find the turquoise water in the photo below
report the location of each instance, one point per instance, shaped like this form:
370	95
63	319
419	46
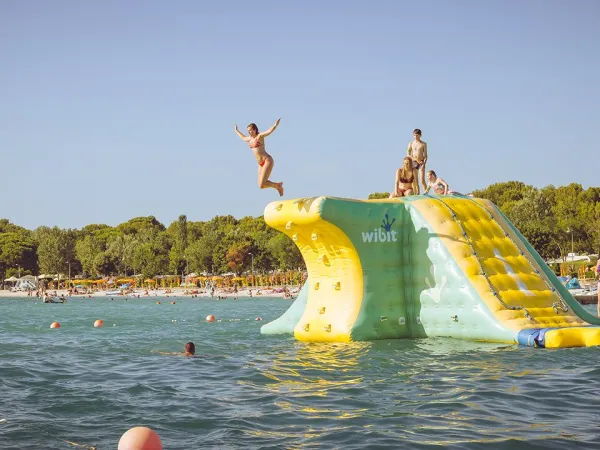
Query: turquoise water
88	386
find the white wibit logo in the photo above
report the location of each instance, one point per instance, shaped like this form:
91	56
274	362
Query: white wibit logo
435	291
382	234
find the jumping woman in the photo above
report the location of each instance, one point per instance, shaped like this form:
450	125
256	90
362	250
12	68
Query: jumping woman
256	141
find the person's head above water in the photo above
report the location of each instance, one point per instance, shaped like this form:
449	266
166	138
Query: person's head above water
190	349
252	129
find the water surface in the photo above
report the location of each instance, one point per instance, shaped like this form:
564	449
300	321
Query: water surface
78	385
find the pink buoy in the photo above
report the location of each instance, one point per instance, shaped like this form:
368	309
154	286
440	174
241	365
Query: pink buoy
140	438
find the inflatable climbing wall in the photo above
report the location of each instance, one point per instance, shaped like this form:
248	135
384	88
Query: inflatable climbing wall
422	266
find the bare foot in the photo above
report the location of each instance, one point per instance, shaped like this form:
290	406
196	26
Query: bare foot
280	188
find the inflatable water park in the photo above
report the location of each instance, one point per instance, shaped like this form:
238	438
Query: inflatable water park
422	266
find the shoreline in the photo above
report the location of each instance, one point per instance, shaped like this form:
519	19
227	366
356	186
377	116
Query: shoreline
172	292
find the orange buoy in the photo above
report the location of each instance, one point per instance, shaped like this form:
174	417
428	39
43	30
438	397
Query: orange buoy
140	438
210	318
55	325
98	323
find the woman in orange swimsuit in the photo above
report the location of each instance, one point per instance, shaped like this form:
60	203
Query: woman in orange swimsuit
405	179
256	141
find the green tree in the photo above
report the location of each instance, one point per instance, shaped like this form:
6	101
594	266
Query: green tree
200	254
17	253
379	195
285	253
87	250
56	249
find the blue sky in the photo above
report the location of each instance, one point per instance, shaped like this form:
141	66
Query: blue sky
111	110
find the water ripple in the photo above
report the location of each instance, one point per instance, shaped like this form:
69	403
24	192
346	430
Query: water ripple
87	386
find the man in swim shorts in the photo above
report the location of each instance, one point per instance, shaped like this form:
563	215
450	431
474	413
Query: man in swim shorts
417	150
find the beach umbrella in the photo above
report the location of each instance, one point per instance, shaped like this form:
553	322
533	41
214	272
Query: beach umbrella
12	279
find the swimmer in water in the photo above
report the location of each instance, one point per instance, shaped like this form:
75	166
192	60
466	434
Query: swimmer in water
256	141
189	349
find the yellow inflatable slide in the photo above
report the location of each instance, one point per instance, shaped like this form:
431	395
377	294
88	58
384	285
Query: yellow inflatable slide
422	266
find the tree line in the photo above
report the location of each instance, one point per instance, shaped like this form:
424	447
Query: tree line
146	247
555	220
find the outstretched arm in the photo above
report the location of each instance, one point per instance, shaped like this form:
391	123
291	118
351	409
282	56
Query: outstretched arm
270	130
242	136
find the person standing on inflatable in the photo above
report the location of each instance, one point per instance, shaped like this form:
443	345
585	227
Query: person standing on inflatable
256	141
417	150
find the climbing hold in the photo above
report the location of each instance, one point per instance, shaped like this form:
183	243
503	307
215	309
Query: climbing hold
325	260
314	236
383	318
337	286
328	328
278	207
288	225
316	286
294	237
321	310
454	318
306	327
401	320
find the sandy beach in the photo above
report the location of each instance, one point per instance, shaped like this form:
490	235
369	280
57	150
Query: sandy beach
171	292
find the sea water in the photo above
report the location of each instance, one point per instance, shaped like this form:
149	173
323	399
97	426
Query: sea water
80	387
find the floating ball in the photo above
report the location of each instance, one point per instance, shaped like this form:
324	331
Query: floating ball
98	323
210	318
258	319
55	325
140	438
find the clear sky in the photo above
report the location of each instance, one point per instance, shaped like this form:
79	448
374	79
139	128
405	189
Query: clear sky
111	110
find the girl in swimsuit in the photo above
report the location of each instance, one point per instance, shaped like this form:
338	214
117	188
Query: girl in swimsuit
436	183
405	180
256	141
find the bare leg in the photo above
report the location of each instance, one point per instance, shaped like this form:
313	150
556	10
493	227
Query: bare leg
599	298
416	177
422	177
264	173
